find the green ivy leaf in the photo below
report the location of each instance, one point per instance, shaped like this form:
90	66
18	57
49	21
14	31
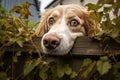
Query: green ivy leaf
23	10
44	71
86	62
99	34
68	70
114	33
107	9
11	41
30	65
20	41
104	58
93	6
73	75
64	69
117	22
16	9
97	16
86	73
105	2
60	70
103	65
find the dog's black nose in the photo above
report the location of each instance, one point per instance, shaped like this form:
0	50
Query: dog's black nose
51	41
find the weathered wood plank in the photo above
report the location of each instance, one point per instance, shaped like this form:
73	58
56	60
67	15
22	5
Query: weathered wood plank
82	46
85	46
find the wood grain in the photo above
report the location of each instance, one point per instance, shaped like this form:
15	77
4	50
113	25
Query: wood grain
82	46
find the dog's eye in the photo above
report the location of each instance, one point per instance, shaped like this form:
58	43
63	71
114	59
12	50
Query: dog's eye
51	21
74	22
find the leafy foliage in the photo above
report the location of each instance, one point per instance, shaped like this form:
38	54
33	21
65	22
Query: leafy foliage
14	29
28	66
23	10
56	70
106	14
86	68
103	65
116	71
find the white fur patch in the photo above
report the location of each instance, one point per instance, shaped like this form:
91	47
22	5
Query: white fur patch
66	36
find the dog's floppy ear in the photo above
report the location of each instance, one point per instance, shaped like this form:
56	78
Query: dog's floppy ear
89	25
42	27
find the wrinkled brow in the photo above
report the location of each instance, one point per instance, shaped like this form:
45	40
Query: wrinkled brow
57	11
74	11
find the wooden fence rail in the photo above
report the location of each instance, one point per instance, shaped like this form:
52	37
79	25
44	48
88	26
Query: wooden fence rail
82	46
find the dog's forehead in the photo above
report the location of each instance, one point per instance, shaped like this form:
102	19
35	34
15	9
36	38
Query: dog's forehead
57	11
67	9
70	6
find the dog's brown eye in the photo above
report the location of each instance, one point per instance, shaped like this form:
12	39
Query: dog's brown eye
51	20
74	22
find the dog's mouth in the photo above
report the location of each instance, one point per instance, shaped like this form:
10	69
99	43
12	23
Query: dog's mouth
60	50
56	45
52	51
56	51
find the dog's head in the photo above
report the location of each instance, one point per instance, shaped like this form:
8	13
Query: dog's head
60	27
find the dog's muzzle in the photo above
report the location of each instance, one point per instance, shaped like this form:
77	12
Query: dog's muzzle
51	41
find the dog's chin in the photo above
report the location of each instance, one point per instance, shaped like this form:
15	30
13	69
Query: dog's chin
56	51
61	50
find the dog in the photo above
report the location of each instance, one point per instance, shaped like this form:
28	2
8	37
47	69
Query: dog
60	26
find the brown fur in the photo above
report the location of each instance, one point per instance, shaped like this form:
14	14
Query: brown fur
86	21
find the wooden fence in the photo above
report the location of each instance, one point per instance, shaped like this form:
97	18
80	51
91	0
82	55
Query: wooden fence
82	46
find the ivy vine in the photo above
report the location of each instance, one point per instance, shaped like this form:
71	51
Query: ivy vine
17	30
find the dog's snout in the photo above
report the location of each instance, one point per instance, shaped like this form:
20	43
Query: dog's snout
51	41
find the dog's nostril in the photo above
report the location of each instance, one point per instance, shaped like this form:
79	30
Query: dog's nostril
45	42
55	42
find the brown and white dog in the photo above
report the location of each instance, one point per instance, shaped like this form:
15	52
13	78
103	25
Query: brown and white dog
60	27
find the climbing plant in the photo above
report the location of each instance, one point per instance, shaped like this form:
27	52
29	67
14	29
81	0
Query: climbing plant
18	30
106	13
